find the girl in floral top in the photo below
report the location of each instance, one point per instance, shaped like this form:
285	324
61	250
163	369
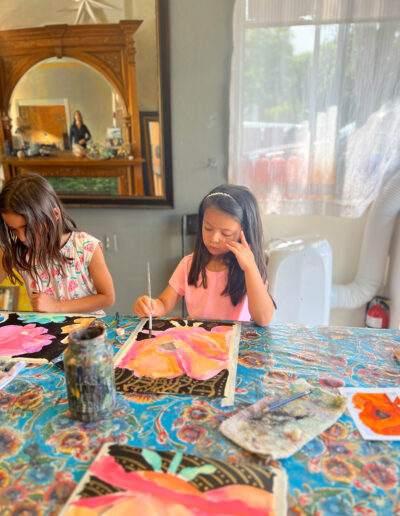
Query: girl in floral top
63	268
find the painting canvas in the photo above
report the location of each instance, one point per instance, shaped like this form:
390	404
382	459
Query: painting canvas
131	480
182	356
281	432
376	412
37	337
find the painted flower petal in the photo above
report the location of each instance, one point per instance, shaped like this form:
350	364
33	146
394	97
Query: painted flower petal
192	350
41	318
17	340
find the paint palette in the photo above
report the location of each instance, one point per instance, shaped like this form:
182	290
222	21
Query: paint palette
131	480
281	432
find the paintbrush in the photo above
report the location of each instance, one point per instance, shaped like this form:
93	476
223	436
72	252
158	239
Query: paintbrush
286	401
120	331
149	294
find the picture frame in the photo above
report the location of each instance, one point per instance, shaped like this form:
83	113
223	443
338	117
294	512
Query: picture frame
151	145
126	184
114	136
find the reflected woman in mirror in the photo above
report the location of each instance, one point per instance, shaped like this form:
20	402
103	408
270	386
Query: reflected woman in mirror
79	133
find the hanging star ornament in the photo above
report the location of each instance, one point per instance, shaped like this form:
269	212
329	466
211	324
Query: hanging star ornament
86	7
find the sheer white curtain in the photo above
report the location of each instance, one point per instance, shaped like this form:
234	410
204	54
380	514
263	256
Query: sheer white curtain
315	103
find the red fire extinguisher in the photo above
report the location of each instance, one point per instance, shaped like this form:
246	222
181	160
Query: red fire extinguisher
377	312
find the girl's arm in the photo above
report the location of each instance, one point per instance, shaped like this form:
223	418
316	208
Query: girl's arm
160	307
103	283
261	306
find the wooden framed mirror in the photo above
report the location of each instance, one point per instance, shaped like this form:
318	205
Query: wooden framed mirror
47	73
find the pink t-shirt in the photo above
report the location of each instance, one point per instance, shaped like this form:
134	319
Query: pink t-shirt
207	303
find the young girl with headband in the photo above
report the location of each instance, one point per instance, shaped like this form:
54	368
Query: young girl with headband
63	268
225	278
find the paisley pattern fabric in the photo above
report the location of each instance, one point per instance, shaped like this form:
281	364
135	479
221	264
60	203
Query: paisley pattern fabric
43	453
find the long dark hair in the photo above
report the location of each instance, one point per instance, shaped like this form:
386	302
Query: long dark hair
241	204
32	197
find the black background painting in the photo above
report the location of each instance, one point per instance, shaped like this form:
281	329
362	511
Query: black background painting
53	350
227	473
127	381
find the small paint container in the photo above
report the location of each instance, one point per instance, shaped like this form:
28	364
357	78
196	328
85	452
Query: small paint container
89	374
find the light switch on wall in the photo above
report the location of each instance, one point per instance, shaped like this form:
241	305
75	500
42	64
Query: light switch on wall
111	243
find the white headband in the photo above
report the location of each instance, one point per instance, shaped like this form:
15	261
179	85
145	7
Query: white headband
219	193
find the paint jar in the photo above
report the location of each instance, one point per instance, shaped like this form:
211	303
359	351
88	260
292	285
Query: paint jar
89	374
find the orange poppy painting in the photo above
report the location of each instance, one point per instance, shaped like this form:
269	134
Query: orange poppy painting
376	412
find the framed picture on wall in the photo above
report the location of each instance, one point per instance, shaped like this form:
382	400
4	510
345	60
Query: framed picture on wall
114	137
151	148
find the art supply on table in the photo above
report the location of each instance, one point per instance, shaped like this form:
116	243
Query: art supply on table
279	426
286	401
58	362
120	331
9	369
89	374
149	294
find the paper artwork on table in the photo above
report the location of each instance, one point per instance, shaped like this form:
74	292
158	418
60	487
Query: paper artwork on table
375	411
281	432
183	356
37	337
130	480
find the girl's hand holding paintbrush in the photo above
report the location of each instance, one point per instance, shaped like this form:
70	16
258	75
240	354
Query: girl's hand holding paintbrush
145	306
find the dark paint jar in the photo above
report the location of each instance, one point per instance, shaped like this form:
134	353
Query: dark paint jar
89	374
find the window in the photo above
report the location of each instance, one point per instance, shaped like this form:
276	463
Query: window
315	103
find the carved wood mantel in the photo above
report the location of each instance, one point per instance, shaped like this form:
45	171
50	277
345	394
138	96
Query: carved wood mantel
109	48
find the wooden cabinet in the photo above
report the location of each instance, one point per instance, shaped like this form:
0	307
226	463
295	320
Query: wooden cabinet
98	181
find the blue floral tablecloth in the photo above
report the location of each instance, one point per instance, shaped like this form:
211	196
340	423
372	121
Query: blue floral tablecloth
43	453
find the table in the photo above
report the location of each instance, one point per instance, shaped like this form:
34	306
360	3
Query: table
43	453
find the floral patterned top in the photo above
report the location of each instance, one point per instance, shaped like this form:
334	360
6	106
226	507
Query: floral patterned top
76	281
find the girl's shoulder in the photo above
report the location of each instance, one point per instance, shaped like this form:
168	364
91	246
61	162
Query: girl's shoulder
184	264
187	261
81	239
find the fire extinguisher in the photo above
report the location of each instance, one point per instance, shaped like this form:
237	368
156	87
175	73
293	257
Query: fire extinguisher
377	312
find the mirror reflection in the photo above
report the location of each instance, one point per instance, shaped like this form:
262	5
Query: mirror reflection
45	100
92	120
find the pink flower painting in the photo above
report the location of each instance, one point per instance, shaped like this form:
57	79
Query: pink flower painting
18	340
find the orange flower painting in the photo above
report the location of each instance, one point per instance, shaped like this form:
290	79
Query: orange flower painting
199	353
195	358
378	412
169	493
375	411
